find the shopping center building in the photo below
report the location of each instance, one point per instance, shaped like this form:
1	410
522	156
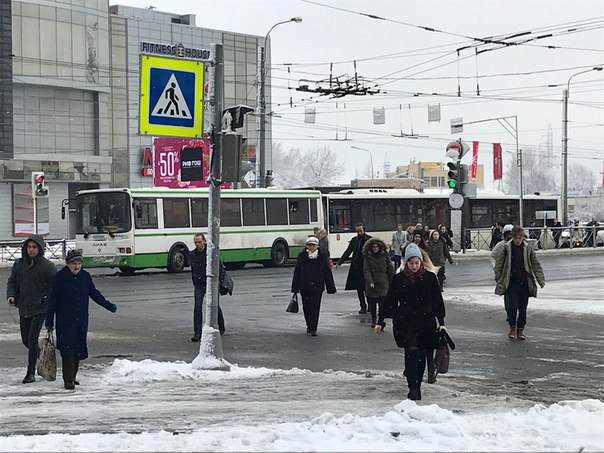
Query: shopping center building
69	98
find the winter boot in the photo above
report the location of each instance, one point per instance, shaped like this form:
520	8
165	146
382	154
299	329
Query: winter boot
414	394
512	333
520	334
29	378
69	385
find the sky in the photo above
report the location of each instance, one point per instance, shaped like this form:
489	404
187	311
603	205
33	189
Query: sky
415	53
147	406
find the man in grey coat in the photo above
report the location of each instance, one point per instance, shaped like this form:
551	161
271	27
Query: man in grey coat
516	270
27	289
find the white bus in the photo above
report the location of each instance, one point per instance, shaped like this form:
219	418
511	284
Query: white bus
380	210
134	229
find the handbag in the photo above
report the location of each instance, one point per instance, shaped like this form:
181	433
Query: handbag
442	355
47	361
293	307
226	285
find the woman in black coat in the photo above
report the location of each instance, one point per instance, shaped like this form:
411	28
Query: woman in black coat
311	276
415	304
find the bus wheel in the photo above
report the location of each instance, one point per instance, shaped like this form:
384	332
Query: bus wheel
177	260
279	255
235	265
127	271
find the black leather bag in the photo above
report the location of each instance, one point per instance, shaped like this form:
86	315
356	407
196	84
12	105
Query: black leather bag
226	285
293	306
442	356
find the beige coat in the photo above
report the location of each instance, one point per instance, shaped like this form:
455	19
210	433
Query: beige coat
503	267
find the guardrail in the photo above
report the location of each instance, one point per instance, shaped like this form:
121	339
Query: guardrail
542	238
55	249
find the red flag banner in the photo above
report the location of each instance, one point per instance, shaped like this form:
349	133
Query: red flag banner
497	163
474	167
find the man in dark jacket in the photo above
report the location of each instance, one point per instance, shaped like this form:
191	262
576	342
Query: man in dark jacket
27	289
355	278
198	273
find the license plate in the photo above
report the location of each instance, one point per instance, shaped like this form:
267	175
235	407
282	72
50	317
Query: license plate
99	259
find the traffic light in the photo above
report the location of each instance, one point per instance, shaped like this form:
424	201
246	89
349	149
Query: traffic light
39	188
453	175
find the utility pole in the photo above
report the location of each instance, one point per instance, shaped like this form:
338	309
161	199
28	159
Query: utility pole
210	350
260	124
564	177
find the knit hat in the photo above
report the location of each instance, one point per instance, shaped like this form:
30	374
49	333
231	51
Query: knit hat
508	227
413	250
73	256
312	240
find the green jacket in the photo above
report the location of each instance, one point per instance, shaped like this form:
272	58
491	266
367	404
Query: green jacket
30	279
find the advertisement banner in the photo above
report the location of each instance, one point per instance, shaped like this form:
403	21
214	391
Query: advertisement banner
179	163
497	162
474	167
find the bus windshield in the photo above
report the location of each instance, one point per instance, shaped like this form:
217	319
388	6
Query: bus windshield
103	212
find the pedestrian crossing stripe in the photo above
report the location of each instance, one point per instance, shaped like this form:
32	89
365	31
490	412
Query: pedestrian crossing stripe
171	97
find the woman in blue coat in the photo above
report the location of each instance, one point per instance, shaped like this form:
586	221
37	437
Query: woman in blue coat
69	300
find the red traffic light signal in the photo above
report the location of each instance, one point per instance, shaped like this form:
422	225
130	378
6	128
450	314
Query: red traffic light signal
39	188
39	178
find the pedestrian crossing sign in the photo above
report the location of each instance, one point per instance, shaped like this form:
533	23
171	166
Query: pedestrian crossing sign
171	97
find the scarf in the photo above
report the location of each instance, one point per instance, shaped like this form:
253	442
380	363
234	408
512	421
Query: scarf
314	255
413	275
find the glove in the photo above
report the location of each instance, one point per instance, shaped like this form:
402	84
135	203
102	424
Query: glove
442	328
113	308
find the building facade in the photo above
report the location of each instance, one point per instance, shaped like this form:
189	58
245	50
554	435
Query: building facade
433	174
69	93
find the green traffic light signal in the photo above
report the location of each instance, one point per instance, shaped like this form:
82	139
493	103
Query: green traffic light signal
452	184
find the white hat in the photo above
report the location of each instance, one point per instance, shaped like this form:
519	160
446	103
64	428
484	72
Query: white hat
312	240
508	227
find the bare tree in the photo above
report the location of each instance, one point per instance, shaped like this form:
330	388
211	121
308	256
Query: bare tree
581	179
314	167
537	177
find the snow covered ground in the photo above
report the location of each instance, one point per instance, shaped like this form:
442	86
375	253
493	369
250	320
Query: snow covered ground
170	406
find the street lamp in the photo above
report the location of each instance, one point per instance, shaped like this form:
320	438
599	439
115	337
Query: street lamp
564	178
261	118
370	157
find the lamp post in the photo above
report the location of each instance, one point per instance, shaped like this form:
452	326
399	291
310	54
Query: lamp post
564	177
370	157
261	118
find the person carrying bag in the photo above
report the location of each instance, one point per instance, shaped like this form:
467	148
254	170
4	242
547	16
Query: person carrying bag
293	306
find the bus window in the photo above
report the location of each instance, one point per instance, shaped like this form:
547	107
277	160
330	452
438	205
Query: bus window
314	215
339	217
276	211
298	211
147	208
230	212
103	212
199	213
176	213
253	211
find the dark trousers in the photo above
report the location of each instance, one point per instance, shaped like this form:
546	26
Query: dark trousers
311	305
441	276
517	303
70	368
198	312
361	296
30	332
374	304
415	365
396	259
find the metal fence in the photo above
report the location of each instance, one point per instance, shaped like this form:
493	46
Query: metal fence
542	238
55	249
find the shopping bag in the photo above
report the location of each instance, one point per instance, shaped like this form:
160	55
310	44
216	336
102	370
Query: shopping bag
293	307
47	361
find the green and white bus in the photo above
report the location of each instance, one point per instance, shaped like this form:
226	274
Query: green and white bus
134	229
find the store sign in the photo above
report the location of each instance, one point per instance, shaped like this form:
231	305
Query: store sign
174	50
